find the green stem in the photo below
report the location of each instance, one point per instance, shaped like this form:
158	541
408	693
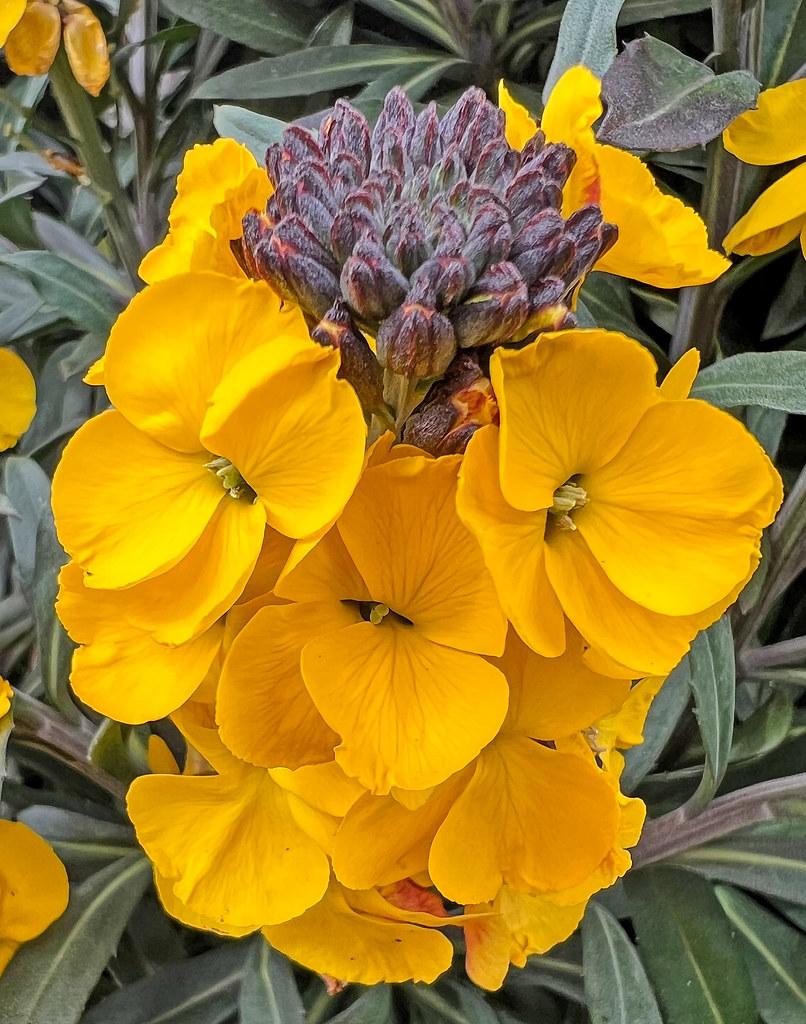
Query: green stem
319	1008
82	125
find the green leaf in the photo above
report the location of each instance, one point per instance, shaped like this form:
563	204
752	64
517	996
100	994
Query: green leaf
768	858
321	68
687	947
269	993
657	98
68	288
200	990
255	131
783	40
774	380
335	29
765	730
373	1007
664	714
616	985
50	979
788	310
775	955
266	25
587	36
712	673
423	17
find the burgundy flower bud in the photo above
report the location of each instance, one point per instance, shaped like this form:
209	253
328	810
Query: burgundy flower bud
358	363
294	262
494	309
453	410
424	142
346	133
371	283
416	341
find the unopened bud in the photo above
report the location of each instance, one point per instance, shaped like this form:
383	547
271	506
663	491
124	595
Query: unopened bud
358	363
416	342
370	282
495	308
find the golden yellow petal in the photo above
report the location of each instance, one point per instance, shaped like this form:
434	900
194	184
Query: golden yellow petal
32	44
774	132
520	126
10	13
33	883
86	48
776	218
17	398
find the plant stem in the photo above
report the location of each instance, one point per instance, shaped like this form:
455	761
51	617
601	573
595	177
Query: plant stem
674	833
79	117
319	1007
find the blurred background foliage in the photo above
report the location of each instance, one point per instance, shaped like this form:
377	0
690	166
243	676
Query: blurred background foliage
711	924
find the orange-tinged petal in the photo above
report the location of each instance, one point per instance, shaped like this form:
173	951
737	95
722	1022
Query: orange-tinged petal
625	727
410	712
418	558
381	841
32	44
661	241
33	883
17	398
196	721
10	13
512	544
553	697
530	817
295	432
520	126
264	711
348	943
563	408
176	341
126	507
776	218
188	598
774	132
674	528
572	109
645	642
678	382
230	845
86	48
122	672
218	184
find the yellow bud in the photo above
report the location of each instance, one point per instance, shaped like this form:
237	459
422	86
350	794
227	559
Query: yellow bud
86	47
32	44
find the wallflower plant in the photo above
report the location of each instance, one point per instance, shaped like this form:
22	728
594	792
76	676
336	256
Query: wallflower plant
407	573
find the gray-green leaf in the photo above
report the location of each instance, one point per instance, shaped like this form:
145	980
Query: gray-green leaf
775	380
272	26
775	955
712	676
687	947
50	979
658	98
616	985
255	131
269	993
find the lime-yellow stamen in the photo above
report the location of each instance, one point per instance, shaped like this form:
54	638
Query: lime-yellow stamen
566	499
231	479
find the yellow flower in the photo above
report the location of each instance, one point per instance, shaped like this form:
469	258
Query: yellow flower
394	608
661	241
120	670
6	696
637	516
33	888
228	418
363	937
31	32
774	133
218	184
17	398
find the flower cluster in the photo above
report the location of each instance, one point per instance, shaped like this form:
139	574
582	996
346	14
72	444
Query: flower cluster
32	30
404	566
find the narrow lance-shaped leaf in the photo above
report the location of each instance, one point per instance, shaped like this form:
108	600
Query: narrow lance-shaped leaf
272	26
658	98
269	993
713	684
686	944
255	131
776	957
50	979
616	985
774	380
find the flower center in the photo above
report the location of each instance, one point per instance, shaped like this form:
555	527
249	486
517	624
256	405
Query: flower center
567	498
378	613
231	479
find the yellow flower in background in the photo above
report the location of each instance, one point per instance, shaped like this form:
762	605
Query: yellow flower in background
661	241
600	499
31	32
6	696
17	398
383	647
218	184
773	133
228	419
33	887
